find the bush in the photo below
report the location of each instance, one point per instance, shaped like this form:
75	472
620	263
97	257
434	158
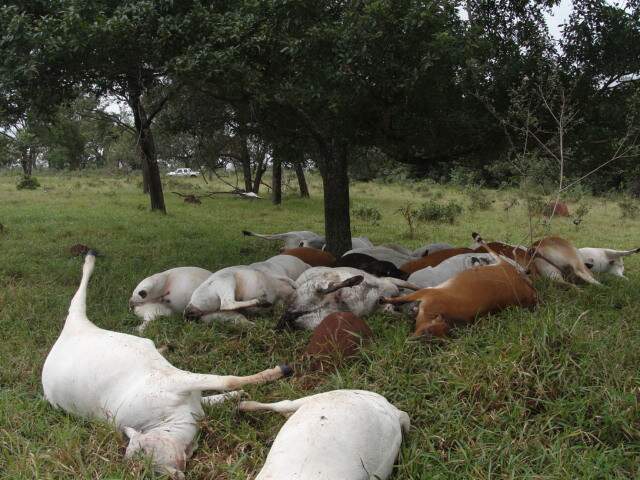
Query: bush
28	183
581	212
439	213
536	205
368	214
465	176
480	200
410	215
629	208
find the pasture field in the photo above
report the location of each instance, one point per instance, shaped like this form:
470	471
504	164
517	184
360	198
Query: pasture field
549	394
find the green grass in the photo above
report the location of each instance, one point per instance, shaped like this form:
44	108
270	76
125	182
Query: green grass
547	394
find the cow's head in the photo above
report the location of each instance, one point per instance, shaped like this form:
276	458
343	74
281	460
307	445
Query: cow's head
149	290
168	456
313	301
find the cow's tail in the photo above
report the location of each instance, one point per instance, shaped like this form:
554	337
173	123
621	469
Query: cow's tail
622	253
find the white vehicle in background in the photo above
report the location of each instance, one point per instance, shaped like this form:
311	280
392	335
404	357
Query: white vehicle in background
183	172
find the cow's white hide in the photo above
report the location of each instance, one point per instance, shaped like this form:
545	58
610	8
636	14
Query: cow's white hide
321	291
605	260
240	287
282	266
433	276
342	434
165	293
97	373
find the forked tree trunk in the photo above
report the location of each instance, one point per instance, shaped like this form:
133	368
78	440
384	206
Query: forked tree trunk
147	149
277	178
302	181
257	178
335	181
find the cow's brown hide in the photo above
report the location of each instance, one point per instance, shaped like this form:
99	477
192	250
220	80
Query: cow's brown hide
338	337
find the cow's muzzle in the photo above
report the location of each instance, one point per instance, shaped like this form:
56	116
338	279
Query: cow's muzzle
192	314
132	305
288	320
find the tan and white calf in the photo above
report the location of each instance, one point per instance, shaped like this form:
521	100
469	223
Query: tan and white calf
552	257
605	260
165	293
97	373
558	259
342	434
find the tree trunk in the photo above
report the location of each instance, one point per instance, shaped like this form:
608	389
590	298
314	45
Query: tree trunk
257	178
26	161
147	149
302	181
245	159
335	182
145	172
276	183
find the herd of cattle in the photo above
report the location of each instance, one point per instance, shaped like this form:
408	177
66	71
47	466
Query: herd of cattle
341	434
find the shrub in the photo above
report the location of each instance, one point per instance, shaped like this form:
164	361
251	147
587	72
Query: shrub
439	213
368	214
410	215
479	199
629	208
581	212
536	204
28	183
464	176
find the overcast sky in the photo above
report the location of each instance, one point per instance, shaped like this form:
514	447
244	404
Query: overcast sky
560	15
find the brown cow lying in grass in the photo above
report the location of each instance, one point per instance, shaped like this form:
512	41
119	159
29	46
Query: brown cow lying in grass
468	295
551	257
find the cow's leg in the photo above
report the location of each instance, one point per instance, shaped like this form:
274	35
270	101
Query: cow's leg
190	382
149	312
233	318
221	398
412	297
227	293
285	407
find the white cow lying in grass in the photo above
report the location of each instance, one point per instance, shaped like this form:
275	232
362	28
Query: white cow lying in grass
305	238
122	378
165	293
292	239
605	260
231	289
321	291
343	434
282	266
433	276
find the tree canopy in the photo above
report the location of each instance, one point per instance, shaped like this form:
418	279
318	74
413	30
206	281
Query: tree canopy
434	85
